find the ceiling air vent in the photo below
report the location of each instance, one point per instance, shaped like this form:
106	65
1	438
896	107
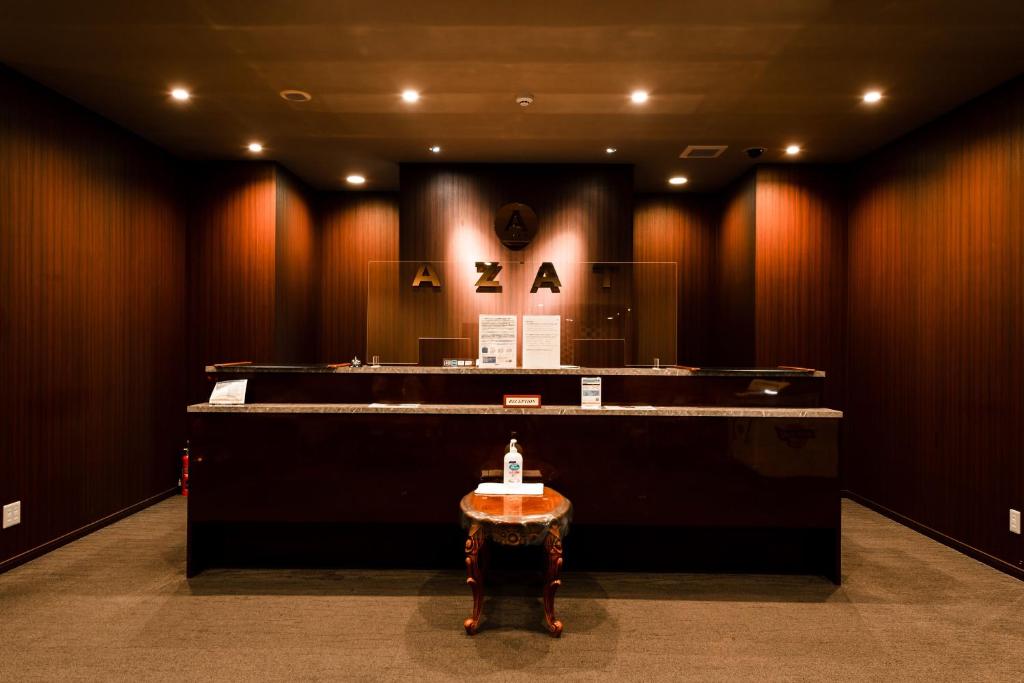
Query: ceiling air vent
703	151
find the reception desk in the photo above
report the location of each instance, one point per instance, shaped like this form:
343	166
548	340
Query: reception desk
318	448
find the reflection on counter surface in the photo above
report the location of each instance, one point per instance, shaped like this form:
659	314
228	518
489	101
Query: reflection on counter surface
667	386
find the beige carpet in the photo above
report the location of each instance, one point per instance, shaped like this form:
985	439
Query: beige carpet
116	606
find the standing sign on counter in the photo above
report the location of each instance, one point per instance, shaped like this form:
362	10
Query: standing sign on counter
542	341
498	338
229	393
590	392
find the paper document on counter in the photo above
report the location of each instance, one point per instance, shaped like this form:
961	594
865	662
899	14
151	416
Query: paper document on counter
542	341
499	489
498	335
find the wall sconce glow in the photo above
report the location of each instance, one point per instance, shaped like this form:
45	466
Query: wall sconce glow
793	150
677	180
180	94
255	147
872	96
639	96
410	96
355	180
436	149
772	392
610	150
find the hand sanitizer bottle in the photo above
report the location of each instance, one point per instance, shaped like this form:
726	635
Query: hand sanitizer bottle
513	465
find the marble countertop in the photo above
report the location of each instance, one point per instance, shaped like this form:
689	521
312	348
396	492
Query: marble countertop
447	409
668	371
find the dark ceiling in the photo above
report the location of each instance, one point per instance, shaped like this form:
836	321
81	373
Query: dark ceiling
740	73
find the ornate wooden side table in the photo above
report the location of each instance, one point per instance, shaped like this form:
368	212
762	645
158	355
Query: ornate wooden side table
516	520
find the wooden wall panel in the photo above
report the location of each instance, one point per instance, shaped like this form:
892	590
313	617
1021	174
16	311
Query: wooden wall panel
800	271
684	228
356	227
734	329
447	215
232	266
297	281
92	318
935	411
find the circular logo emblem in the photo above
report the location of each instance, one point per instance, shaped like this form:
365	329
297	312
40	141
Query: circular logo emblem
515	225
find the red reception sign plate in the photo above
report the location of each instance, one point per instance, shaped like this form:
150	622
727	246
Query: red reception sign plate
522	401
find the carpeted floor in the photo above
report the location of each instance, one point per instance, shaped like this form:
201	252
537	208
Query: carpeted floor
116	606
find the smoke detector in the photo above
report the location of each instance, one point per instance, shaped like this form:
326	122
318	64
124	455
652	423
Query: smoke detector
524	100
703	151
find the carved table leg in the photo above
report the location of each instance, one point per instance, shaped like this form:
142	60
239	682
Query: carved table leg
474	577
553	545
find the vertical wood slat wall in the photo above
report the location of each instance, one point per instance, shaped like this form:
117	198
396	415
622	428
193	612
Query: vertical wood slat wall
92	317
935	407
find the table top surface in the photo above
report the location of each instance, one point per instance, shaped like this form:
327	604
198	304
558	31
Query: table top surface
547	508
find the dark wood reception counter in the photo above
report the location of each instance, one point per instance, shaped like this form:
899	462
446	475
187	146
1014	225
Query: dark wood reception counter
384	448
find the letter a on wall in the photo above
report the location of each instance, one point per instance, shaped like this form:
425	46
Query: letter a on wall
426	276
547	276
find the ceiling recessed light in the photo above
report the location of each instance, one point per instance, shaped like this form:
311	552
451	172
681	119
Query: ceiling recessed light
639	96
410	96
255	147
296	95
610	150
180	94
872	96
792	150
436	149
677	180
355	180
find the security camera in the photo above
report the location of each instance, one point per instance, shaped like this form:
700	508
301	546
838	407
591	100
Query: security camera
524	100
755	152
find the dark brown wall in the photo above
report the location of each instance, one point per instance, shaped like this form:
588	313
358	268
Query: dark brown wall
586	212
734	329
232	266
253	268
800	271
92	317
936	318
684	229
297	282
356	228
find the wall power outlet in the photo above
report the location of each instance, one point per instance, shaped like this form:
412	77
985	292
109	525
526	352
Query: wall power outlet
1014	521
12	514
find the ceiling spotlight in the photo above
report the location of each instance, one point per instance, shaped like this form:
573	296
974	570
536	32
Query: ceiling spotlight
677	180
436	149
255	147
793	150
639	96
410	96
355	180
610	150
872	96
180	94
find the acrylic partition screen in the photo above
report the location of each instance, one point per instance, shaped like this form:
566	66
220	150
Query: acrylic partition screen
612	314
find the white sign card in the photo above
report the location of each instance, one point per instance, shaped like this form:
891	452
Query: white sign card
498	337
230	393
542	341
590	392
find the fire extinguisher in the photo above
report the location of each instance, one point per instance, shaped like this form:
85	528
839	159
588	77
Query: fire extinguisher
184	471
